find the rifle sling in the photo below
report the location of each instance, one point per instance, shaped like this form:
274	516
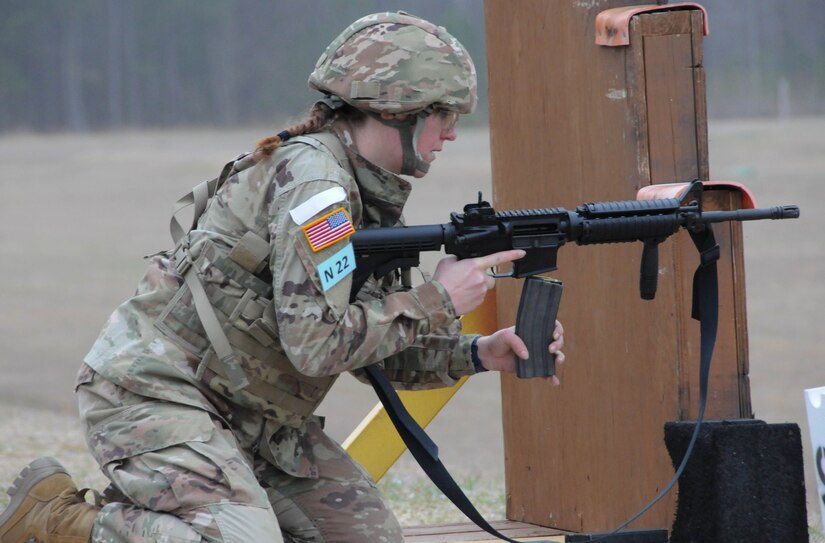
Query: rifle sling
706	310
425	451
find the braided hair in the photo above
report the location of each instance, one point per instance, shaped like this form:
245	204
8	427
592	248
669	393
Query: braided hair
321	116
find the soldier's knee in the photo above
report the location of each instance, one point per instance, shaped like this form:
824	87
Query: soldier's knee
223	523
249	524
340	514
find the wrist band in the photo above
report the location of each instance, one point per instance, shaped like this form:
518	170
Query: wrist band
474	355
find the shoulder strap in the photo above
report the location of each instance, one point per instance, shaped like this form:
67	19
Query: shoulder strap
212	327
199	196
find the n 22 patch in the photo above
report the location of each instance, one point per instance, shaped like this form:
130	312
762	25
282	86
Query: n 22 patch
336	267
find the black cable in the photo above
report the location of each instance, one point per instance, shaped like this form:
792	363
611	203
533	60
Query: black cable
706	310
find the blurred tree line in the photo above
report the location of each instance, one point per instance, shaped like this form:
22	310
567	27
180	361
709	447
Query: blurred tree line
103	64
89	64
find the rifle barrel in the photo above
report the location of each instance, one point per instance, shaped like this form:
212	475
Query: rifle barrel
775	213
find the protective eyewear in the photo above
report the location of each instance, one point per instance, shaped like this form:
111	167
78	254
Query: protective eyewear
448	118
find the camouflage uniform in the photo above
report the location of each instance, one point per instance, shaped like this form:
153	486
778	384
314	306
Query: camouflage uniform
162	417
201	444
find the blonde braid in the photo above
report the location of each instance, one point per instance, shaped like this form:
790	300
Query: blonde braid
319	117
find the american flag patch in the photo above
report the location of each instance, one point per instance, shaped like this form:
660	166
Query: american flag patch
328	229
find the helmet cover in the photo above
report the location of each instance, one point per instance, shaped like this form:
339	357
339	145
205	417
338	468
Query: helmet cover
397	63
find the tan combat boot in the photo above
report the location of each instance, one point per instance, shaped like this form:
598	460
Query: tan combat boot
46	507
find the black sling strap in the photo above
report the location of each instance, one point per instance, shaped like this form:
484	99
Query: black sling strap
705	309
424	450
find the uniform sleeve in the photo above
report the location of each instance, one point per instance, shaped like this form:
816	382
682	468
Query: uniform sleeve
320	331
434	360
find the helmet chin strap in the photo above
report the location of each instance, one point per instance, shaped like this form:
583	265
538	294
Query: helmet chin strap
410	130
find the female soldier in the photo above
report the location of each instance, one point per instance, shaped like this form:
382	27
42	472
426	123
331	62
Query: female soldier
198	397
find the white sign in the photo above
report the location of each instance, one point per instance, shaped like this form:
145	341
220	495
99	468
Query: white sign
815	401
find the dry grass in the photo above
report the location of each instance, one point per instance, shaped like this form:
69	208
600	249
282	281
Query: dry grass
30	433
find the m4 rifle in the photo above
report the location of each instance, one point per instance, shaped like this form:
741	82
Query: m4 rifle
481	230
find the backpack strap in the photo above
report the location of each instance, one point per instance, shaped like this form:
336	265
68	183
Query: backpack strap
209	320
199	197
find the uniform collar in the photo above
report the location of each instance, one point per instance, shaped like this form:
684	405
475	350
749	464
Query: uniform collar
383	193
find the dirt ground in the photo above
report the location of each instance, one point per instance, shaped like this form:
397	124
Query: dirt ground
78	212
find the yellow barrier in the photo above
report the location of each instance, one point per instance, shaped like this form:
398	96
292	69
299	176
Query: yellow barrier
375	443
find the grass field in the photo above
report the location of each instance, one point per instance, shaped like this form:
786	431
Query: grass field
78	212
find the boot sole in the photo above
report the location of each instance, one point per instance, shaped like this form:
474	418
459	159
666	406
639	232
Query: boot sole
31	475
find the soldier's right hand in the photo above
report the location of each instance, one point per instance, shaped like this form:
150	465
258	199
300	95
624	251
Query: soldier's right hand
467	281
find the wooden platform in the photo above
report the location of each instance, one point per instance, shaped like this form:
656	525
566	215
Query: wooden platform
449	533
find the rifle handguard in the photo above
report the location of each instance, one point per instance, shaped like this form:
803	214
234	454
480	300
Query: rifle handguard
535	323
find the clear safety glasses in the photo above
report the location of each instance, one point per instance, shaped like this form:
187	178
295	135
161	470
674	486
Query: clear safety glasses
447	118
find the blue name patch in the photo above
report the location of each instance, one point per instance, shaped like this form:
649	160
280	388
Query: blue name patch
336	267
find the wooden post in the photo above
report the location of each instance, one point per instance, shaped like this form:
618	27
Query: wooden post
571	122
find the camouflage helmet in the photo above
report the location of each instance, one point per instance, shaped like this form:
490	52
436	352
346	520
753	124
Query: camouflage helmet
397	63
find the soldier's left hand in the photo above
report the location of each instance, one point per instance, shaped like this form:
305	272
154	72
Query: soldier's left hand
498	350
